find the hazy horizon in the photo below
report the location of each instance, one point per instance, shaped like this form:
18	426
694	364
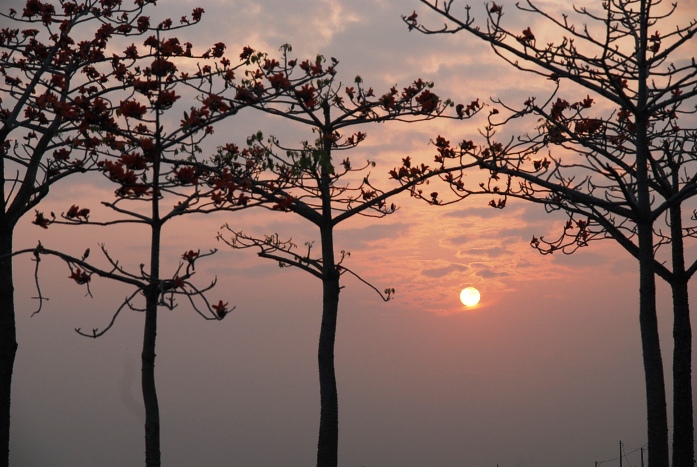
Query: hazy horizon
546	370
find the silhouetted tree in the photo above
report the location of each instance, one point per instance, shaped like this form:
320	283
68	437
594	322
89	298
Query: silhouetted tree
142	151
312	182
622	173
49	96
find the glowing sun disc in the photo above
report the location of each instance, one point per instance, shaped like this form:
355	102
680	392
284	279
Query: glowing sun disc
470	296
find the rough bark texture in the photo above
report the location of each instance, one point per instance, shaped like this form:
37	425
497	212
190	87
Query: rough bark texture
328	444
8	341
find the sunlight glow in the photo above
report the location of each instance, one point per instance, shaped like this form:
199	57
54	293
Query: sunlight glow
470	296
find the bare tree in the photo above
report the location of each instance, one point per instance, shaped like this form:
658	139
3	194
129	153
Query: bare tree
623	173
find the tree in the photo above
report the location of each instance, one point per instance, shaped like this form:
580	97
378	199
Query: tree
311	182
51	95
143	153
617	173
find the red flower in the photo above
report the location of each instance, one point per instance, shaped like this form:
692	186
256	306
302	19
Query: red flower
178	282
284	204
198	118
218	49
75	212
558	107
527	38
132	109
62	154
196	14
411	20
246	53
307	95
79	276
270	64
279	81
165	99
428	100
143	23
191	255
588	126
221	309
186	175
215	103
41	221
162	67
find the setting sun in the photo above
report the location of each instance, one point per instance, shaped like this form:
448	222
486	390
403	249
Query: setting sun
470	296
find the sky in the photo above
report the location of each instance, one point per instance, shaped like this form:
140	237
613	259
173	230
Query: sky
546	370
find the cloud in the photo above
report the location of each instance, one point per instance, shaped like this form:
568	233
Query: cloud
363	237
455	240
488	273
496	251
439	272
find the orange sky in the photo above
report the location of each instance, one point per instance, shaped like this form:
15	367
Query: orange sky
546	370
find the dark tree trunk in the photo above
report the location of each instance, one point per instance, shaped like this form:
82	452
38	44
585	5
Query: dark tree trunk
656	410
152	298
152	409
8	340
683	423
651	349
328	444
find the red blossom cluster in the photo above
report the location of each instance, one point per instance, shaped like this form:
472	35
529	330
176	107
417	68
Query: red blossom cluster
75	212
247	52
466	110
306	94
355	138
279	81
428	101
225	190
541	163
527	38
444	150
284	203
588	126
186	175
119	172
313	69
132	109
407	171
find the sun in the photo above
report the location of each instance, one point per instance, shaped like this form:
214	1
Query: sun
470	296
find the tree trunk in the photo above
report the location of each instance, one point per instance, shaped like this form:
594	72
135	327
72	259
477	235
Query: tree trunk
683	423
152	409
152	297
8	340
328	444
651	349
656	411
